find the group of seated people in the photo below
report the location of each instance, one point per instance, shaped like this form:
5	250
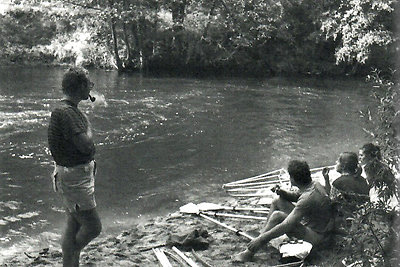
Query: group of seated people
309	213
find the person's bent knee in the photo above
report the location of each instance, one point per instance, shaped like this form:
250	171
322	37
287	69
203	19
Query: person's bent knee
278	215
276	200
90	220
93	228
96	229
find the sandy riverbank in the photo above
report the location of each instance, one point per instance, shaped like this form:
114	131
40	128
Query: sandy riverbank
132	246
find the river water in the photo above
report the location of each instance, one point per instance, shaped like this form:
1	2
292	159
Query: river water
162	142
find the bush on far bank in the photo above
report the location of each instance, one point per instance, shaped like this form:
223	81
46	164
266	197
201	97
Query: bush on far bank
286	44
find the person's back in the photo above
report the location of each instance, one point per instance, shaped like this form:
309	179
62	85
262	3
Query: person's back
350	180
350	189
317	208
351	184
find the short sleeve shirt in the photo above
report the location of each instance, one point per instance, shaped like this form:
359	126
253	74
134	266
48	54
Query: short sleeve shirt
351	184
65	122
316	207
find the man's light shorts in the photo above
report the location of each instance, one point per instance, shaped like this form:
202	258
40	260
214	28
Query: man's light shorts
76	186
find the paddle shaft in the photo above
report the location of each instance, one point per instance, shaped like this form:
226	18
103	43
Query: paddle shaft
216	207
175	258
238	232
245	209
189	261
250	195
239	216
255	210
161	257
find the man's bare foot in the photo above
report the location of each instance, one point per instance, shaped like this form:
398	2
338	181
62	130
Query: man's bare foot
244	256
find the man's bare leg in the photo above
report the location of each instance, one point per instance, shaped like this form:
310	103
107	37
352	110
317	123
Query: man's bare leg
299	231
276	218
68	241
279	210
278	204
90	228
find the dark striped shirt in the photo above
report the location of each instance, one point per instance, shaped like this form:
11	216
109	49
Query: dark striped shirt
66	121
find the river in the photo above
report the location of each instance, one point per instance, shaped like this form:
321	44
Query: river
163	142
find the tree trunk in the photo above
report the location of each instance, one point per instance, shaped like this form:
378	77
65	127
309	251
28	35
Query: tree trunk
118	60
128	46
178	17
138	41
209	18
196	46
115	40
126	39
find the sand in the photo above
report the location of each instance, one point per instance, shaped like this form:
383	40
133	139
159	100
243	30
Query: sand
132	247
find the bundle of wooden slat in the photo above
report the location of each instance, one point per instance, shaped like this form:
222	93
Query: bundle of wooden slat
260	185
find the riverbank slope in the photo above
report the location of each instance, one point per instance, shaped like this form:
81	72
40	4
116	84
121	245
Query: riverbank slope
132	247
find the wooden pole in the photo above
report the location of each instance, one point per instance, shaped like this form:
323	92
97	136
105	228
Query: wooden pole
269	181
161	257
239	216
238	232
188	260
258	177
210	206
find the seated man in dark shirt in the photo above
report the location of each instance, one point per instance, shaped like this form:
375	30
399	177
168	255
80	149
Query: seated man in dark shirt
310	219
71	145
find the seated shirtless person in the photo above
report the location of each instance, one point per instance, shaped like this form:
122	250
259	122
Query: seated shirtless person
309	219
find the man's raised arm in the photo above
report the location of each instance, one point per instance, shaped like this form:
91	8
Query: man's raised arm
83	143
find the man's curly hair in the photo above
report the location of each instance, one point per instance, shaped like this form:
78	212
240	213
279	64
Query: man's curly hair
300	172
73	78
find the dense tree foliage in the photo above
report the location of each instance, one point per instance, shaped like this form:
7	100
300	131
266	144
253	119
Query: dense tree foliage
364	30
217	36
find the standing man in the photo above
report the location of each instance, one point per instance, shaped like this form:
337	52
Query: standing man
72	148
